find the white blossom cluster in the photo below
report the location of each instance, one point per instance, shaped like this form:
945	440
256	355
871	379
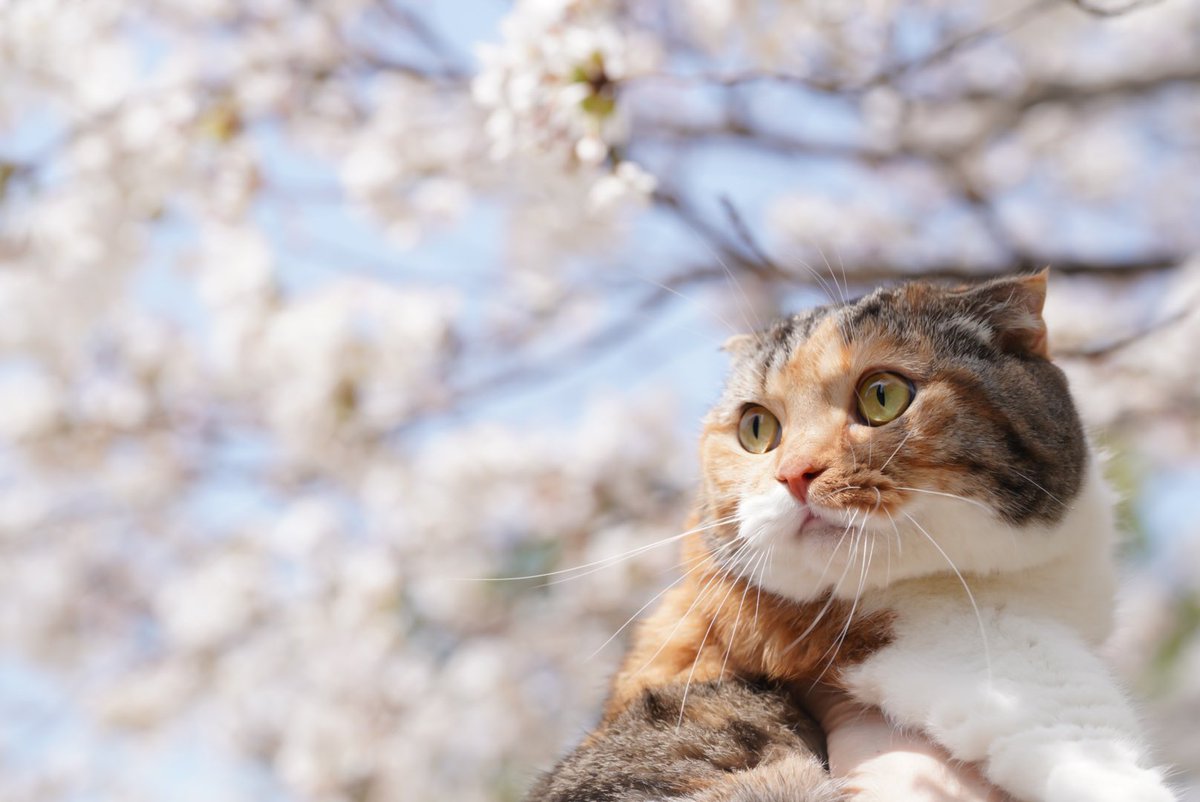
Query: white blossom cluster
552	91
321	323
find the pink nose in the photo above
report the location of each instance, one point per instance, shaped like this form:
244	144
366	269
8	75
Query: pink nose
798	481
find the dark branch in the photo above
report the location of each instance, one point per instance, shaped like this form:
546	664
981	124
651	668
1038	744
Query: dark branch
832	86
744	235
1108	349
727	253
520	376
1100	11
768	141
1004	24
1129	86
423	32
734	80
880	272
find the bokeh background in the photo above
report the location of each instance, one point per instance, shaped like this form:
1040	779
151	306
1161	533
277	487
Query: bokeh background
320	321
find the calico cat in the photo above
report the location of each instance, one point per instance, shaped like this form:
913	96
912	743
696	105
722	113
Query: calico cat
898	499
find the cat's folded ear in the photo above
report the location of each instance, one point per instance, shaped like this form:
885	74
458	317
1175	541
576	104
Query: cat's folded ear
739	345
1013	307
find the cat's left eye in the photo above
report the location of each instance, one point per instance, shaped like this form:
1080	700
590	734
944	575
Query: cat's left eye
883	396
759	430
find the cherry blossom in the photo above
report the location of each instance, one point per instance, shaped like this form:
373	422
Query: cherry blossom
323	324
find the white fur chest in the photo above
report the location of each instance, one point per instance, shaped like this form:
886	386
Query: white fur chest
1002	669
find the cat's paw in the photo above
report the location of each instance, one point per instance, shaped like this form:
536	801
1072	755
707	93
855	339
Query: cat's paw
1089	781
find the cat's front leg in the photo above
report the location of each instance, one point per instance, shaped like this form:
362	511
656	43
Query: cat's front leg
1034	705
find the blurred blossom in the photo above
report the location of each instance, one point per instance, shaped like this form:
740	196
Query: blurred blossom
355	357
409	166
32	406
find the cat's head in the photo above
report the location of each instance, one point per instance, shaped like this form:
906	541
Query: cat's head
885	438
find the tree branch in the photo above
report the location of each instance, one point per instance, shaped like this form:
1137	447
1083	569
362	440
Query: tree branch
1004	24
881	272
426	34
1100	11
887	76
516	377
1097	352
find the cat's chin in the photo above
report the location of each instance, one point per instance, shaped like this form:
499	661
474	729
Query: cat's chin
798	538
817	525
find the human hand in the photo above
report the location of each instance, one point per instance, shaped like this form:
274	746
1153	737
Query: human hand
879	763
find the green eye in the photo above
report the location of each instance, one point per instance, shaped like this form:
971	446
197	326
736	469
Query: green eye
759	430
883	396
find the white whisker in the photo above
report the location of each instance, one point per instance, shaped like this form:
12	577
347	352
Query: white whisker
862	578
832	592
978	504
897	451
820	280
761	576
888	579
721	563
737	288
836	548
842	266
899	541
987	654
732	329
744	298
699	564
604	562
738	619
1039	487
699	650
843	293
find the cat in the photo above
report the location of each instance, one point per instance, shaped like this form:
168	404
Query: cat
899	500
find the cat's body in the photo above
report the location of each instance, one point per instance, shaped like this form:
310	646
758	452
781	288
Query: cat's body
735	741
899	500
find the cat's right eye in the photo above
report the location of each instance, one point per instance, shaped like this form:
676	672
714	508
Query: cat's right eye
883	396
759	430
